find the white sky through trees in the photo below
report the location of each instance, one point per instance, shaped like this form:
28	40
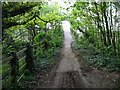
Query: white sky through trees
64	4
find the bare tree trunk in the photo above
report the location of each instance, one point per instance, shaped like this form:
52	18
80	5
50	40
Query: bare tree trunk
106	21
101	33
104	32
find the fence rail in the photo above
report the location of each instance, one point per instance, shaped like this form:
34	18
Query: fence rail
15	65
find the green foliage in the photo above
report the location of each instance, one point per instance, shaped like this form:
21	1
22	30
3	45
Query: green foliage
87	17
48	41
40	37
45	63
98	35
19	22
6	84
97	57
28	76
24	22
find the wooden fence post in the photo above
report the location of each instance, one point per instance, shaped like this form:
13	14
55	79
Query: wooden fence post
14	67
29	58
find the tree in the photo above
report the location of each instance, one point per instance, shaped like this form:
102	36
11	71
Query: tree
99	21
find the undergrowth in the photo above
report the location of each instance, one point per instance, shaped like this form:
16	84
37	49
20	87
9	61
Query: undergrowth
95	57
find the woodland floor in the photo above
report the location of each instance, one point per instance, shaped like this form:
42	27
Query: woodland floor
72	72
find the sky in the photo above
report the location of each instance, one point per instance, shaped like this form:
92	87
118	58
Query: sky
62	3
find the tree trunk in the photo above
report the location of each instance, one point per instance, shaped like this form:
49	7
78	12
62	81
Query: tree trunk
106	21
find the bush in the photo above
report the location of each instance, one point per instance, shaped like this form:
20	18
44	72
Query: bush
48	41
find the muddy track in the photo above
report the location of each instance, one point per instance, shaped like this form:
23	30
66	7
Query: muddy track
71	79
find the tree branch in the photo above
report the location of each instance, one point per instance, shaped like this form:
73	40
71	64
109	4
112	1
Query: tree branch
6	13
8	24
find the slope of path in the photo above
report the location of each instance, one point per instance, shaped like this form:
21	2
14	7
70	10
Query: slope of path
68	74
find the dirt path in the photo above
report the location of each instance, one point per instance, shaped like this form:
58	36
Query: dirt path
98	78
68	74
65	74
72	72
